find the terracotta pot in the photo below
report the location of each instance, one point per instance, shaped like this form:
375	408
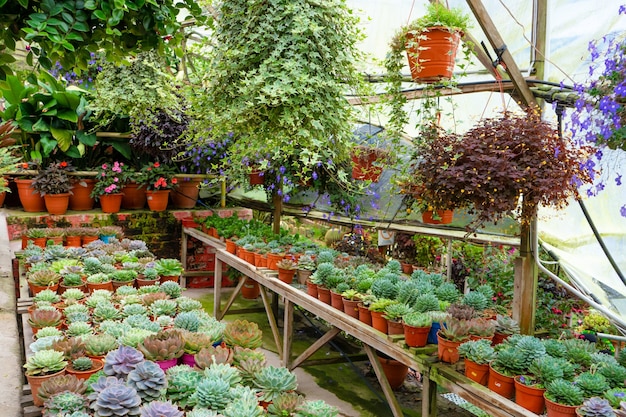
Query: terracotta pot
117	284
447	350
188	359
157	200
498	338
81	199
167	364
230	246
139	282
394	327
445	217
57	203
476	372
286	275
85	240
273	259
134	197
261	262
164	278
92	286
111	203
415	336
303	276
40	241
431	54
351	307
257	177
323	294
559	410
63	288
31	201
35	383
395	371
186	193
3	195
249	257
365	315
250	290
242	253
363	159
529	397
73	241
501	384
311	289
97	364
407	268
336	300
36	289
379	322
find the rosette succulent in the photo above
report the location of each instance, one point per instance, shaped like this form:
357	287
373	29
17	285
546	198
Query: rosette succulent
64	403
148	379
121	361
317	408
272	381
117	400
160	409
243	333
61	383
162	346
45	362
211	355
182	385
212	393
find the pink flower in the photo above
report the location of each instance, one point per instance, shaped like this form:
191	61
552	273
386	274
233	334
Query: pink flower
104	166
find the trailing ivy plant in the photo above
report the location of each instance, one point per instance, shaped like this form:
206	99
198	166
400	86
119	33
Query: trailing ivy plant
279	70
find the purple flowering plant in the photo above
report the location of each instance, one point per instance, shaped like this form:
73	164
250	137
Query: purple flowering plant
110	179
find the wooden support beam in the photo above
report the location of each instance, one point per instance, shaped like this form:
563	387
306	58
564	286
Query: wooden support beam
525	282
232	297
271	318
496	41
217	287
183	258
287	332
384	383
329	335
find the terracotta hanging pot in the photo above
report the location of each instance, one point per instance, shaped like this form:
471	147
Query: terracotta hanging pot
529	397
157	200
500	383
415	336
134	196
476	372
363	160
57	203
395	371
431	54
186	193
250	290
443	217
31	201
81	199
111	203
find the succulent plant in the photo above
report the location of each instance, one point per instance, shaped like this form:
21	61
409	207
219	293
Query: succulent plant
150	289
139	321
455	330
271	381
168	267
79	328
507	325
187	320
98	278
134	336
615	374
105	311
224	371
530	348
317	408
171	288
482	327
243	404
76	308
461	311
44	318
82	363
64	403
188	304
160	409
202	412
448	292
478	351
71	347
121	361
564	392
44	278
134	309
47	295
114	328
61	383
45	362
100	344
553	347
243	333
47	332
395	311
240	354
182	385
509	362
249	368
284	404
77	317
579	351
595	407
72	280
417	319
194	342
148	379
212	393
615	396
477	300
164	308
166	344
117	400
592	384
383	288
545	369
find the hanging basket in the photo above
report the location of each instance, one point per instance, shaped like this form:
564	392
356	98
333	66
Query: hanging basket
364	160
431	54
442	217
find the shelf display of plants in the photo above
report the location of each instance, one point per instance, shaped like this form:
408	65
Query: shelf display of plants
149	349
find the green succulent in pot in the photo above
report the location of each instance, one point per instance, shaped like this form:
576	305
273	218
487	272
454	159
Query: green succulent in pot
592	383
417	319
99	344
66	403
272	381
124	275
243	333
564	392
396	311
162	346
45	362
44	278
168	267
44	318
478	351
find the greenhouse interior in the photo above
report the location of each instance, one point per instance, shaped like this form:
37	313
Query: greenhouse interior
313	208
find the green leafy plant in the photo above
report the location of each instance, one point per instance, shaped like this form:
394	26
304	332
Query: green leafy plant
167	267
478	351
564	392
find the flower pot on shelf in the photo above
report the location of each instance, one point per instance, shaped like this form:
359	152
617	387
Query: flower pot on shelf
443	217
81	199
477	372
36	289
57	203
286	275
447	350
117	284
394	327
501	384
416	336
157	199
379	322
165	278
97	364
249	257
323	294
134	197
351	307
31	201
311	289
395	371
529	397
92	286
186	193
363	160
111	203
85	240
230	246
73	241
431	54
35	383
336	300
365	315
250	290
63	288
303	276
40	241
142	282
559	410
273	259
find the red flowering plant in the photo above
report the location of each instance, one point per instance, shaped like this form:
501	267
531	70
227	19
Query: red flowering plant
110	179
157	177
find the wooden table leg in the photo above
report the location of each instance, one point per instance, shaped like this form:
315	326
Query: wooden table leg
217	289
384	384
272	320
287	333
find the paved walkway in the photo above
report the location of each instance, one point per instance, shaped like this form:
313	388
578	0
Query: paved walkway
10	351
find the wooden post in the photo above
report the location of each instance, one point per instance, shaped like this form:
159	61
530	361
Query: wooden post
287	332
217	288
525	281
